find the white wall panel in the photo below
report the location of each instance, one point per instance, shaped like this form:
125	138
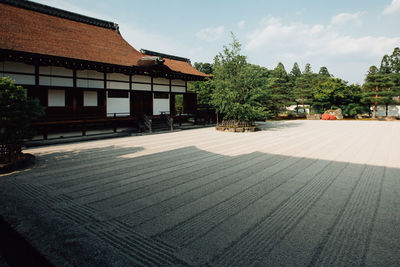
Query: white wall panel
178	89
161	88
91	74
117	105
56	98
141	87
141	78
178	82
56	81
160	105
394	110
89	83
66	82
90	98
44	80
17	67
161	80
380	111
51	70
117	85
21	78
117	77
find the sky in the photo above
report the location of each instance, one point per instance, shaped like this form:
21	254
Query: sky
346	36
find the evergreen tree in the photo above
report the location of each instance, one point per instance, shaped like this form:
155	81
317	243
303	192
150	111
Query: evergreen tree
238	89
378	89
279	89
395	61
296	72
385	65
204	89
323	71
307	69
303	91
206	68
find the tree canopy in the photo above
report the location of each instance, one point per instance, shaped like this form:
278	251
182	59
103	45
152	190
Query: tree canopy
237	87
242	91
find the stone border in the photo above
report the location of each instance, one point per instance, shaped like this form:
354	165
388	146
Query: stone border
235	129
26	161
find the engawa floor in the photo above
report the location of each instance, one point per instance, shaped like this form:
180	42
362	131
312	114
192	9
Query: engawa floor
299	193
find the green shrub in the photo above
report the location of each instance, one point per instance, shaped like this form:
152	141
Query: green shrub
16	114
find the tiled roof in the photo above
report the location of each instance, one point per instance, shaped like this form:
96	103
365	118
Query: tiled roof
26	30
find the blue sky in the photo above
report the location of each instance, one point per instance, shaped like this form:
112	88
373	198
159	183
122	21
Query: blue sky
345	36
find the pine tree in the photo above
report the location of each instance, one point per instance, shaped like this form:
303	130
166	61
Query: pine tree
303	90
296	72
237	87
395	61
307	69
385	65
377	89
323	71
279	89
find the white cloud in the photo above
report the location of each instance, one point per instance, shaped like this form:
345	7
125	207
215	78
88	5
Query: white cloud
210	34
392	8
241	24
346	18
275	41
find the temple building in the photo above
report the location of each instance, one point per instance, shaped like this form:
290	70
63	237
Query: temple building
81	67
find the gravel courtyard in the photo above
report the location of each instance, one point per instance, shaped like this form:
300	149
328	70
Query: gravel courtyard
297	193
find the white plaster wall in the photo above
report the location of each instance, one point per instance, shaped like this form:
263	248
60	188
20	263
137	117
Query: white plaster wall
393	110
17	67
178	89
51	70
141	87
160	105
92	74
117	77
56	81
161	80
160	88
141	78
178	82
56	98
118	85
117	105
90	98
89	83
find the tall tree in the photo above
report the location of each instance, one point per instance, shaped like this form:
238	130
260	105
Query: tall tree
237	87
330	94
377	89
395	60
295	72
206	68
323	71
307	69
204	89
303	91
385	65
279	89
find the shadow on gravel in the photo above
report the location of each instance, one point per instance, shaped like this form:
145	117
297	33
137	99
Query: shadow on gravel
277	125
192	207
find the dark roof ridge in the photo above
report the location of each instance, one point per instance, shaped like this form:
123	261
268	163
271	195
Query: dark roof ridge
157	54
61	13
